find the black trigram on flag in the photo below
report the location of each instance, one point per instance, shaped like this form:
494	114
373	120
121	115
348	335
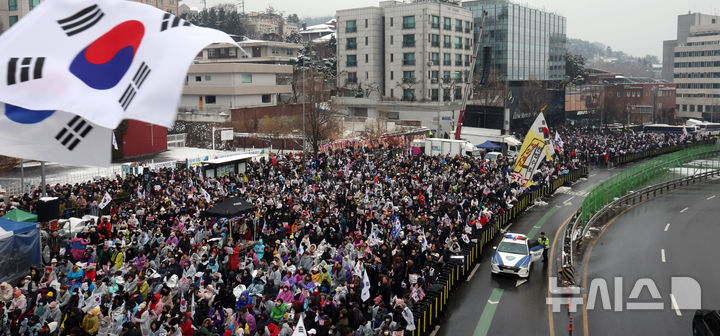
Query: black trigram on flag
23	69
172	21
81	21
75	130
138	79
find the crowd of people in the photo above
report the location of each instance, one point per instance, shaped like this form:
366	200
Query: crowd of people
349	242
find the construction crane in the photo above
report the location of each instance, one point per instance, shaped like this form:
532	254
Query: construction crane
468	80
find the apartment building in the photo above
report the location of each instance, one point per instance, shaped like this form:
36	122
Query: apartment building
693	60
250	51
417	51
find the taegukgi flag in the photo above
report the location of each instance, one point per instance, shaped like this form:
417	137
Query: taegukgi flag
105	201
104	60
53	136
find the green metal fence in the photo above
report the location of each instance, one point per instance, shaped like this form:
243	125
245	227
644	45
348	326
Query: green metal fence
652	171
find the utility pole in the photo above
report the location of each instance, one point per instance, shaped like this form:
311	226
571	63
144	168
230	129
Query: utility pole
42	178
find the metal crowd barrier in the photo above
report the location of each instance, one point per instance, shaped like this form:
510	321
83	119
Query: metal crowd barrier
431	309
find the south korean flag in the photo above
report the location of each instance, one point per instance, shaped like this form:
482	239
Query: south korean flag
104	60
52	136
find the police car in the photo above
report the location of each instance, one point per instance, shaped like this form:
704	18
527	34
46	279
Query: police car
515	255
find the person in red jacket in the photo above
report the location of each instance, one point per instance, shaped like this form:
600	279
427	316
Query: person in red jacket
186	326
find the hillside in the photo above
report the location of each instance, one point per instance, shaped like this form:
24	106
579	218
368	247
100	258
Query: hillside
601	56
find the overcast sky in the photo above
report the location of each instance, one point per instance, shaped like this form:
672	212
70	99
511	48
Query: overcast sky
637	27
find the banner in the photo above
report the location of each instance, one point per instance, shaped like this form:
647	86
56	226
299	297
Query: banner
535	145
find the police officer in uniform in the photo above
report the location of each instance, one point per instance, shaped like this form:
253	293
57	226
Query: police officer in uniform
545	242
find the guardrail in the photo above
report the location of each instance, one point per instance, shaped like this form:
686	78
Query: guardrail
636	177
600	218
430	310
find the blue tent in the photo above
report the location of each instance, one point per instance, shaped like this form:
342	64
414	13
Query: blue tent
19	248
489	145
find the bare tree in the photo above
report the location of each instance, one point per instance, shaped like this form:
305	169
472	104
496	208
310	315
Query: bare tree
321	121
535	98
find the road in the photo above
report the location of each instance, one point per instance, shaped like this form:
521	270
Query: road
670	236
497	305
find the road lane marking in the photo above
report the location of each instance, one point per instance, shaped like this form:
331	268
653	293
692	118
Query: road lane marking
434	332
540	223
591	175
667	226
472	273
675	305
662	254
551	320
683	210
483	325
711	197
586	329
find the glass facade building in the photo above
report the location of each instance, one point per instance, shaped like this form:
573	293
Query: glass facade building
525	43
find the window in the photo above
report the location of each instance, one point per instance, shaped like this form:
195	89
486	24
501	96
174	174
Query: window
434	94
446	42
391	22
392	93
467	44
366	58
408	58
458	60
458	76
12	19
458	26
408	22
367	75
351	26
366	23
392	75
198	78
12	5
446	76
435	57
408	41
351	60
210	99
434	40
409	94
246	78
266	98
446	94
468	26
366	40
446	23
467	60
33	3
391	40
351	44
392	58
435	22
434	75
692	108
352	77
458	43
446	59
208	77
408	77
458	93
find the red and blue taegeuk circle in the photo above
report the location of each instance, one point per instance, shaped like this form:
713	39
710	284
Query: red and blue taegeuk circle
103	63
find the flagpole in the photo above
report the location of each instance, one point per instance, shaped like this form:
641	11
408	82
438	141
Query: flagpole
22	177
42	177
